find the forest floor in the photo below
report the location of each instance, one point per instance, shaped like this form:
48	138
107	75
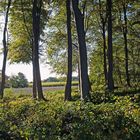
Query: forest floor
108	117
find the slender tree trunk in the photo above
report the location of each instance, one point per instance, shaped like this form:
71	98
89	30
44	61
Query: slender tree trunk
69	75
34	83
103	22
79	18
110	48
5	50
79	80
36	13
104	52
3	74
126	47
38	80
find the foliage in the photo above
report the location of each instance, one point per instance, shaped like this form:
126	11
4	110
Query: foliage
56	49
96	69
20	27
109	115
18	81
22	117
96	56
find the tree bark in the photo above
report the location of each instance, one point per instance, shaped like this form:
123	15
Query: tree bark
126	47
103	22
5	50
110	48
69	74
79	79
79	18
104	52
36	13
34	95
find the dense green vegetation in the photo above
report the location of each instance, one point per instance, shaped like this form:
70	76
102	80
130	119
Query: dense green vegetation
97	39
109	118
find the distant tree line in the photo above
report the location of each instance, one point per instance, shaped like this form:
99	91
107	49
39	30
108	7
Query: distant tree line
60	79
15	81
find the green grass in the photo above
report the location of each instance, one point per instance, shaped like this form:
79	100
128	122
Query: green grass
52	84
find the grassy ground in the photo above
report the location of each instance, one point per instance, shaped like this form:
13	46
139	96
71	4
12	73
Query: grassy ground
52	84
107	117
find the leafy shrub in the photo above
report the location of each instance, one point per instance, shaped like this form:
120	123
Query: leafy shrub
24	118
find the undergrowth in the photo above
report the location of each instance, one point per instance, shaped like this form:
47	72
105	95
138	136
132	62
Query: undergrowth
107	117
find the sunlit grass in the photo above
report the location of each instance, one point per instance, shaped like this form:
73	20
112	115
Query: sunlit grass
51	84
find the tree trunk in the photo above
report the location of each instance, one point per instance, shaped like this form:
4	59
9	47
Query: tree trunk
79	18
79	79
110	48
34	83
104	52
5	50
36	13
103	22
69	75
126	47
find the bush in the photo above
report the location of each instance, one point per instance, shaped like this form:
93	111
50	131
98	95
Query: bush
24	118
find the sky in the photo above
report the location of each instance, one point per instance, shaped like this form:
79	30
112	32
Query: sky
26	69
14	69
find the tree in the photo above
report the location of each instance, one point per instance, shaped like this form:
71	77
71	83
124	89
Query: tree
18	81
103	18
56	49
84	79
69	74
20	28
21	44
110	47
36	15
21	34
5	49
125	31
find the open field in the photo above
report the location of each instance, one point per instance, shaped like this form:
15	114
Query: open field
55	84
28	90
